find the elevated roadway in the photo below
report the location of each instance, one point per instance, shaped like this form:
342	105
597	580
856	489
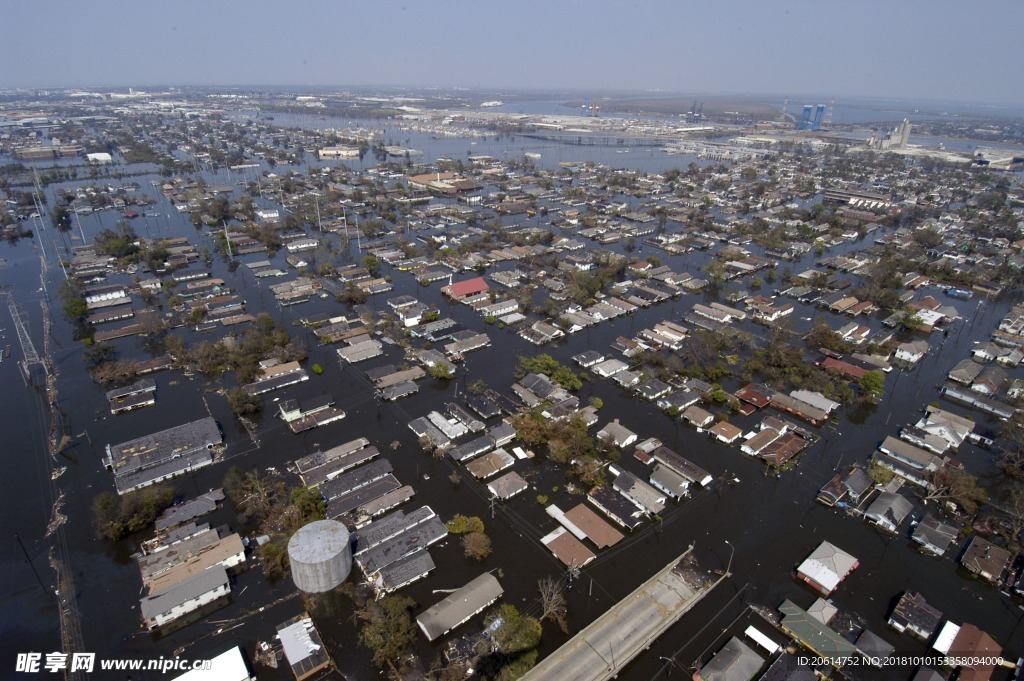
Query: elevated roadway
609	643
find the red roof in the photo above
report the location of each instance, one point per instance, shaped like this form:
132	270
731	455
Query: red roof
469	287
750	393
844	368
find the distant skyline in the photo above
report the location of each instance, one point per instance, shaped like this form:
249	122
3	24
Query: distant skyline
939	50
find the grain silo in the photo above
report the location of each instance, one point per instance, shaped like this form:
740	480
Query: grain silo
320	555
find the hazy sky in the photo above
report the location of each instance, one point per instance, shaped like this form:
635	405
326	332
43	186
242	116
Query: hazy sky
934	49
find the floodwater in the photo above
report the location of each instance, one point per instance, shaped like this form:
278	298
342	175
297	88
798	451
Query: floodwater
759	526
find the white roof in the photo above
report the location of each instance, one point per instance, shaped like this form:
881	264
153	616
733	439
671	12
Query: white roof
771	646
944	640
815	399
228	666
296	641
827	566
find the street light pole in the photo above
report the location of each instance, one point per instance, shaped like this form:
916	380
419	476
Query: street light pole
672	663
728	568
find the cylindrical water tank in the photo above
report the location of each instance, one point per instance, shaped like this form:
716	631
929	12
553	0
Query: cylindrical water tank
321	556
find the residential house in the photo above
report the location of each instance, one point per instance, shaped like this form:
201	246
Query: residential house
989	381
934	535
457	607
915	616
736	661
965	371
888	510
826	567
985	559
951	427
697	417
185	597
847	487
303	648
912	352
972	645
616	434
725	432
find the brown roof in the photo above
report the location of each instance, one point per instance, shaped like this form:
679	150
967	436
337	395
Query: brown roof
972	642
598	531
726	430
569	549
784	448
750	393
985	558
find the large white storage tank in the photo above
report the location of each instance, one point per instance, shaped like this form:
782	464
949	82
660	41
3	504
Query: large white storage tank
321	556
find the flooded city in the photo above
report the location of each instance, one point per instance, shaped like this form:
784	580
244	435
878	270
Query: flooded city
435	384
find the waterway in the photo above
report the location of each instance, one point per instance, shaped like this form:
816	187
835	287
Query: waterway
770	523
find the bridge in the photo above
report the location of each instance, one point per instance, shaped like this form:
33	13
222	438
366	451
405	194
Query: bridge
601	650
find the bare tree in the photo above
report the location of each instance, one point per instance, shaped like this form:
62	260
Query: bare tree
1014	510
554	607
476	545
952	484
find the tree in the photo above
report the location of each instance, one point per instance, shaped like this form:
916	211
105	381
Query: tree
1014	510
372	264
515	632
276	565
253	495
476	545
441	371
388	628
460	524
116	517
879	474
243	403
74	308
97	353
958	487
554	606
872	383
715	272
309	504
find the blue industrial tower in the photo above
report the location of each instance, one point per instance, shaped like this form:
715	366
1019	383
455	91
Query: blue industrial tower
805	118
811	117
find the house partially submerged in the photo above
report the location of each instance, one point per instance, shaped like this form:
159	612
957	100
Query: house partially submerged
736	661
160	456
985	559
457	607
826	567
303	648
933	535
913	615
888	510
